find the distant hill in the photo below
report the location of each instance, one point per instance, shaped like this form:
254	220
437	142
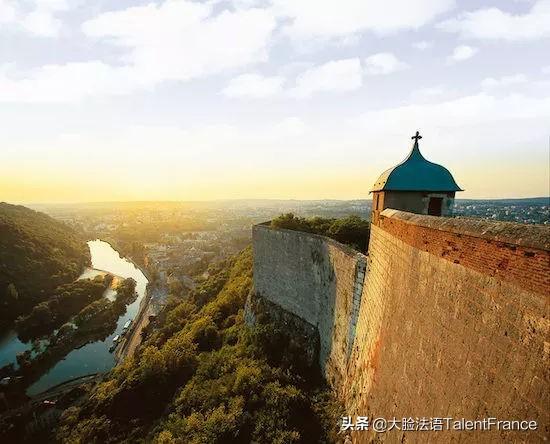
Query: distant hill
37	254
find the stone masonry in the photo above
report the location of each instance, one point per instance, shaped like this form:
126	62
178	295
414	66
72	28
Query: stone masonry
317	279
449	318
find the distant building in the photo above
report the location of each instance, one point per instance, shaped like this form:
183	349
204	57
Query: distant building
415	185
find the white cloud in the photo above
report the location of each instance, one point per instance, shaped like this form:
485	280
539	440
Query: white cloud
482	121
430	93
254	86
54	5
383	63
515	79
37	17
337	76
7	12
65	83
329	18
177	40
464	111
348	40
180	39
41	23
546	70
422	45
494	24
461	53
291	127
246	4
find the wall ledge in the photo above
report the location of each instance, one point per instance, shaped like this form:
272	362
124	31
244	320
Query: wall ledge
524	235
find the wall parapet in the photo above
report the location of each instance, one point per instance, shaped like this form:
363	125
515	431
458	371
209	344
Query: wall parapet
512	252
529	236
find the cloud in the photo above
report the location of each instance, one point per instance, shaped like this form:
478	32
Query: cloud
336	76
383	63
423	45
181	40
177	40
254	86
516	79
65	83
430	93
461	53
41	23
36	17
546	69
469	127
494	24
329	18
8	12
475	110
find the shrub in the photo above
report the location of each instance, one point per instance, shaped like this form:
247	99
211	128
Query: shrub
351	230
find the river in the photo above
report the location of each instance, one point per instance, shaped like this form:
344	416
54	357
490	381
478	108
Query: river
95	356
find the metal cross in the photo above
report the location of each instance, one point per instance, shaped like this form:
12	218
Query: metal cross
417	136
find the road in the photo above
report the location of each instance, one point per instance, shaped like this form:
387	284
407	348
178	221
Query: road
134	338
156	299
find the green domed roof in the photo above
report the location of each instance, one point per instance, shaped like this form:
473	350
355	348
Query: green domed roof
416	173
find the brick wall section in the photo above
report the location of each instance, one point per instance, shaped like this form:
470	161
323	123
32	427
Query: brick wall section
512	252
315	278
445	331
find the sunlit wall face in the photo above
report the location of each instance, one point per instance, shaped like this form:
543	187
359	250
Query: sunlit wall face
180	100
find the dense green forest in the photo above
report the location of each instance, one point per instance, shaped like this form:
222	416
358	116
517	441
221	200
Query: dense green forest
65	301
37	255
203	376
352	230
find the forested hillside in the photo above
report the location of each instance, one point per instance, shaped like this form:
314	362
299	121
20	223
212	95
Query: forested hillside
37	254
203	376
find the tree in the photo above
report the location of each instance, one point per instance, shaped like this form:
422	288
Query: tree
351	230
176	288
40	315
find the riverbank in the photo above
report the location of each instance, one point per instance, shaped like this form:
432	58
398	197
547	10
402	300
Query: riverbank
95	357
133	335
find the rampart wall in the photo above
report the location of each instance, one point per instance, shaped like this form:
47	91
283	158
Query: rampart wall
452	319
453	323
317	279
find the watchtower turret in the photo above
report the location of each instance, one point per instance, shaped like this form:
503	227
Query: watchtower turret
416	185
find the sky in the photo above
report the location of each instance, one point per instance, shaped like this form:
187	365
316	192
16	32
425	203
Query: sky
301	99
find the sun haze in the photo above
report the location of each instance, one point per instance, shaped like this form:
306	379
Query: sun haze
182	100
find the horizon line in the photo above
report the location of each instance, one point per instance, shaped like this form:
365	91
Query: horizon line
243	200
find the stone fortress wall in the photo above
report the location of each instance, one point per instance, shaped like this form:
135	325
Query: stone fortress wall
317	279
444	318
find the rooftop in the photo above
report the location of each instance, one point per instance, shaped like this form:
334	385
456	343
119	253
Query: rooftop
416	173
